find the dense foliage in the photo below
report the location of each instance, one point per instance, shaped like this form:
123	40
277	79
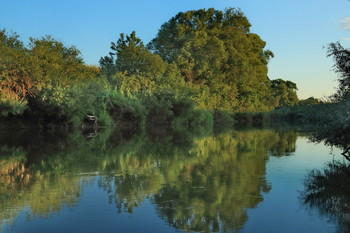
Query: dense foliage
341	58
46	78
200	62
216	51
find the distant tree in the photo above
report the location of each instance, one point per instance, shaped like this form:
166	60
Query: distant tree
107	65
309	101
284	92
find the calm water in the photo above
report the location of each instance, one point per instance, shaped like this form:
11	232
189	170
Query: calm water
233	181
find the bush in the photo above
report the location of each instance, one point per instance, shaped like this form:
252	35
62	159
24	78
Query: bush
165	106
69	104
202	117
123	109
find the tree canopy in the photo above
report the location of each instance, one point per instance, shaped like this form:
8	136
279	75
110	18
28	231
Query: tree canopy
205	60
216	50
284	92
131	56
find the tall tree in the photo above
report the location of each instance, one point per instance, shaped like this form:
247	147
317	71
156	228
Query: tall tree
129	55
216	50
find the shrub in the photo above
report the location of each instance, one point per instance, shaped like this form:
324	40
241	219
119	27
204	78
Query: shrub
123	109
165	106
201	116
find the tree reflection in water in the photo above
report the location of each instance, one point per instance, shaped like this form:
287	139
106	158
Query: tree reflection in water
328	191
196	181
207	187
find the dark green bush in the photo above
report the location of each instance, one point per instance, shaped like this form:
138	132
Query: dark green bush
165	106
123	109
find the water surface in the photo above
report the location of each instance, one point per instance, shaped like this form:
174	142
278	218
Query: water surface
178	181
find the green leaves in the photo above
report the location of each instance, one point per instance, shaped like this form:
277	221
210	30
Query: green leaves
209	54
15	80
47	77
207	57
130	56
216	51
284	92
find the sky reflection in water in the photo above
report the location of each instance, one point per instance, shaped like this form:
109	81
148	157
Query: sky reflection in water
246	181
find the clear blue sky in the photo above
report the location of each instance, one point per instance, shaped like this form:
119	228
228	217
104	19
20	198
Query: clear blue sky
296	31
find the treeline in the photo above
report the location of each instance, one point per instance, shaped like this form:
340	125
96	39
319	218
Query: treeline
328	121
200	63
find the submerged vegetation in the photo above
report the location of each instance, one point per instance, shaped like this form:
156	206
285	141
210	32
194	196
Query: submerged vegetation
202	64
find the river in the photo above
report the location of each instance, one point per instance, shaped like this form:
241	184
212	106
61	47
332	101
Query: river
248	180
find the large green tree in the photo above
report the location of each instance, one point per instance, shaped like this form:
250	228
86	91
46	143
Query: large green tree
216	51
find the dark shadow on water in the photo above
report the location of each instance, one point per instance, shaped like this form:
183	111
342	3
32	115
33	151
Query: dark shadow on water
328	192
